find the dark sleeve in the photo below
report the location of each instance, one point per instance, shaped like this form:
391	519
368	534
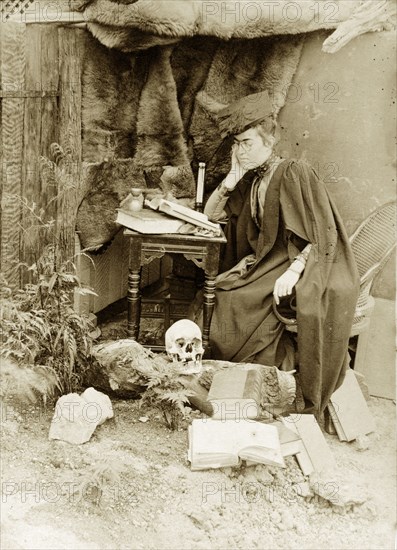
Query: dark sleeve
306	206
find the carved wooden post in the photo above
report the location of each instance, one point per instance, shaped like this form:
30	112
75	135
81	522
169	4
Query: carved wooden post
12	64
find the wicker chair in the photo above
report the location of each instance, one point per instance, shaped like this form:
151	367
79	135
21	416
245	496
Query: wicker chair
372	243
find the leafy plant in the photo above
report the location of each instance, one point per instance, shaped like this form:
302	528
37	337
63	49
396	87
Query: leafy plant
40	327
166	390
40	330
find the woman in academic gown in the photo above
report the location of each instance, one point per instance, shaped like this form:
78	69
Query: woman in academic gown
284	237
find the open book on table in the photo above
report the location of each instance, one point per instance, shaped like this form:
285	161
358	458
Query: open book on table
218	444
182	212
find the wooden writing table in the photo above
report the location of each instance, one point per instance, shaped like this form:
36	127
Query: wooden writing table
203	251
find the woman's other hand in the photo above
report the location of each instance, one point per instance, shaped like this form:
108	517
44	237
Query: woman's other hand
285	284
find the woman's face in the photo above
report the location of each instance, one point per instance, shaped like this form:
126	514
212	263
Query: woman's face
250	149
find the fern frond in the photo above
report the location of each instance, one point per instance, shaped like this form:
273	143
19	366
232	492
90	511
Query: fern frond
177	397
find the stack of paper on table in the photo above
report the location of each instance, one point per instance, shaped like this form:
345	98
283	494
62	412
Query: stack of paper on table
236	393
148	221
217	444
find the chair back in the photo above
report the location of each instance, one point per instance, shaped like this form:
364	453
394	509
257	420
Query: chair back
374	240
372	243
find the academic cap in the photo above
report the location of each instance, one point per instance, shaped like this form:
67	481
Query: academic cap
244	113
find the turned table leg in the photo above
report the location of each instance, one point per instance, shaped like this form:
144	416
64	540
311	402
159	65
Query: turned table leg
133	304
208	307
211	271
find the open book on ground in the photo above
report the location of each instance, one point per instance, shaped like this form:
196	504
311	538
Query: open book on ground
182	212
218	444
236	393
148	221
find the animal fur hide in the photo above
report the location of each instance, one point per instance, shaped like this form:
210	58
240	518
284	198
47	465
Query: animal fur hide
112	84
133	134
140	111
159	115
136	24
143	125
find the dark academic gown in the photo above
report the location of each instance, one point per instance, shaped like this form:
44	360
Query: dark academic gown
297	211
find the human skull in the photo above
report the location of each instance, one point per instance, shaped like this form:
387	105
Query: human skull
183	342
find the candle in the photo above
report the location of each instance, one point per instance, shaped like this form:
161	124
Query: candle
200	186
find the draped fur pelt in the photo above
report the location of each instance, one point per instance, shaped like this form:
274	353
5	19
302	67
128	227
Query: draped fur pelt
112	84
137	24
132	130
140	112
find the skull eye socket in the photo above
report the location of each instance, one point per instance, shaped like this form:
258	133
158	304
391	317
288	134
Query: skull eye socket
180	342
196	342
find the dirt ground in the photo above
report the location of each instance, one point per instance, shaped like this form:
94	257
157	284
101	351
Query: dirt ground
148	497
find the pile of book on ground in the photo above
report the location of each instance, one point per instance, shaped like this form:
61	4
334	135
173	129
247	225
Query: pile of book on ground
235	431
